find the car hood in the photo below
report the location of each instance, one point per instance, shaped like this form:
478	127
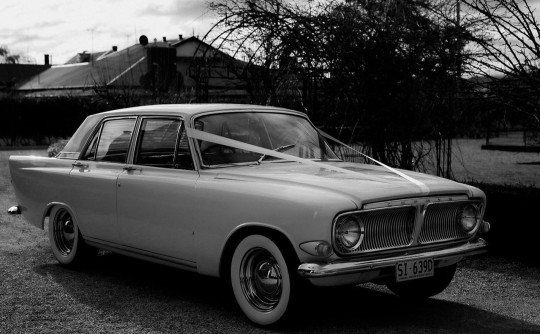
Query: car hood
368	183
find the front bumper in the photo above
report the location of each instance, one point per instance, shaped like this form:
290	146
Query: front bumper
342	273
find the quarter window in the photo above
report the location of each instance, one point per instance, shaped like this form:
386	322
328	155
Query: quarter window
183	154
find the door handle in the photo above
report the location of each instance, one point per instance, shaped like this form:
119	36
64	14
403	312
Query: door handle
79	165
130	168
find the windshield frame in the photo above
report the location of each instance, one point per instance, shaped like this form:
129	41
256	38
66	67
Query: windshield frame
196	143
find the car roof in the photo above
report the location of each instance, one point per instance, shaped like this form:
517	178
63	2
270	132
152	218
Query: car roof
189	110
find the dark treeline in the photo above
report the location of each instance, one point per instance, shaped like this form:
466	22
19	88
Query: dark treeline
31	121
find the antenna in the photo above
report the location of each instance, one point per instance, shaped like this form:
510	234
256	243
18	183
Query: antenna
92	50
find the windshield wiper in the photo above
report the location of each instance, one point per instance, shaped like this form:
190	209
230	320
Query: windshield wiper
279	149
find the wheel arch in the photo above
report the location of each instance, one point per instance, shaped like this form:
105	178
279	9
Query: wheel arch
49	208
277	236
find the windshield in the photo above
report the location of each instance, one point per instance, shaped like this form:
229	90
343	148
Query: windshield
285	133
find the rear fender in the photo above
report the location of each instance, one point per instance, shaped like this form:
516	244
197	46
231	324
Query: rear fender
39	182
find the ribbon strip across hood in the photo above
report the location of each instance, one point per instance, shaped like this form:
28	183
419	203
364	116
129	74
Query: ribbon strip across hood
206	136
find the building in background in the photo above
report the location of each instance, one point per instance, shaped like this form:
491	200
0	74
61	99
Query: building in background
13	74
183	65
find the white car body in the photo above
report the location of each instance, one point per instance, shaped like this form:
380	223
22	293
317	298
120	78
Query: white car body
194	218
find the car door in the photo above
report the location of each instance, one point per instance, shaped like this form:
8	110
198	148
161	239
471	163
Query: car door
94	179
155	201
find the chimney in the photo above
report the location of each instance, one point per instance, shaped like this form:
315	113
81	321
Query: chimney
164	39
180	37
115	48
47	60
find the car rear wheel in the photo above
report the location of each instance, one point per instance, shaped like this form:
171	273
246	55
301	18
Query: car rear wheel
261	280
425	287
65	238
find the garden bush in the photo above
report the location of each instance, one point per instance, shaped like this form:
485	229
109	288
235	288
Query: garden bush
56	147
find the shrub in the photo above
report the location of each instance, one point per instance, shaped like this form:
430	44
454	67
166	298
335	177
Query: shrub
56	147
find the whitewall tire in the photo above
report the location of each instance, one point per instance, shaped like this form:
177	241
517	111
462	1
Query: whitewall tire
260	279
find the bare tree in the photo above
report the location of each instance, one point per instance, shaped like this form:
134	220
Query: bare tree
509	49
379	72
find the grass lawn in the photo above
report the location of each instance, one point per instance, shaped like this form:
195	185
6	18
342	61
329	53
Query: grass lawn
494	167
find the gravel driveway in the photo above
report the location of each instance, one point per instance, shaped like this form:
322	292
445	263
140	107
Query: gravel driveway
122	295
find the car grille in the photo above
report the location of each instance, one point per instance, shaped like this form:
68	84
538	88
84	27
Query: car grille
441	223
387	228
393	227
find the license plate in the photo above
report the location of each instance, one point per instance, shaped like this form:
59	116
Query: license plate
414	269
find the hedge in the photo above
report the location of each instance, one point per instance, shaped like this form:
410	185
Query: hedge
28	121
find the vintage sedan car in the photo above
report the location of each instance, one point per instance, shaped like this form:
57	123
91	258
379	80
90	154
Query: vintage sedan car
253	194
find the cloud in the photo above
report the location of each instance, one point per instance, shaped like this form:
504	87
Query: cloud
48	24
63	28
154	9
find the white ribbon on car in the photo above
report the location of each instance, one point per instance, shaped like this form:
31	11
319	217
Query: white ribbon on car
206	136
420	184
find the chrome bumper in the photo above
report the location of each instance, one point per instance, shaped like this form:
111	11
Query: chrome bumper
324	270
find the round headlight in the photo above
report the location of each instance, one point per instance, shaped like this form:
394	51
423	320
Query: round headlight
349	232
469	218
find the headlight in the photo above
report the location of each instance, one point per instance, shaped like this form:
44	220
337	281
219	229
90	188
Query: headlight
469	218
349	232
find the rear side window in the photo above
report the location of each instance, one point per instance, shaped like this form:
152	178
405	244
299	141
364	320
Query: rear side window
157	142
112	142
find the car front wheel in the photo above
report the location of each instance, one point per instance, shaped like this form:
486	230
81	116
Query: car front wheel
260	279
65	238
425	287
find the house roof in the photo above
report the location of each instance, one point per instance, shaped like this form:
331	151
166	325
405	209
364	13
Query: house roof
120	68
11	74
80	56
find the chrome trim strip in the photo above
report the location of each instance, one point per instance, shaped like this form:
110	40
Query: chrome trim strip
141	254
319	270
414	201
419	223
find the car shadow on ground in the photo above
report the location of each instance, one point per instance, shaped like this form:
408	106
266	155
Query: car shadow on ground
165	299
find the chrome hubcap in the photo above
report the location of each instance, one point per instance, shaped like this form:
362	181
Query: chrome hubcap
260	279
64	232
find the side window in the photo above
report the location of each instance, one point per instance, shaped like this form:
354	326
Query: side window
157	142
112	143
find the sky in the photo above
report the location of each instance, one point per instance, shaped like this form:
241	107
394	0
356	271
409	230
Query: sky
63	28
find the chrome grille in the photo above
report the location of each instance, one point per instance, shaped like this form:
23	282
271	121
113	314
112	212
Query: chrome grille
403	223
441	223
384	229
